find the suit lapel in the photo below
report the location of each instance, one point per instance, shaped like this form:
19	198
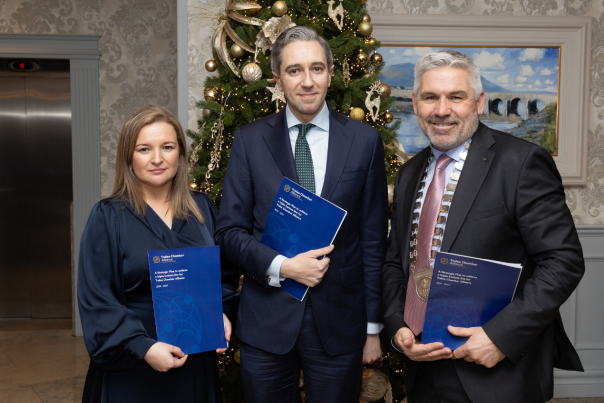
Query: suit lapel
475	170
277	141
337	152
413	178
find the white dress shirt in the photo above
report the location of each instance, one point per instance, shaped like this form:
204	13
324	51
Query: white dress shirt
318	141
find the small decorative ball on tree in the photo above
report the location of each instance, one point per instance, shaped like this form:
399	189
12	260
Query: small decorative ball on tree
211	65
237	356
193	185
357	114
388	117
367	18
237	51
376	59
279	8
365	29
251	72
371	41
385	90
209	93
362	58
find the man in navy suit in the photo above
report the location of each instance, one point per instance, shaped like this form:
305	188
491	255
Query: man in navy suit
335	329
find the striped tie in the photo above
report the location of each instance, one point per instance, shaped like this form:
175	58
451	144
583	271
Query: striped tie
415	308
304	167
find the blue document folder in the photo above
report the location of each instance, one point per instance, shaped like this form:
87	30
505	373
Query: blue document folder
466	292
187	298
300	221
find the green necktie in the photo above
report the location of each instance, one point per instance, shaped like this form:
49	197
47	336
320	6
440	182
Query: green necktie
304	167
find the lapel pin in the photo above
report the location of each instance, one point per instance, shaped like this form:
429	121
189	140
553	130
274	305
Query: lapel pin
486	159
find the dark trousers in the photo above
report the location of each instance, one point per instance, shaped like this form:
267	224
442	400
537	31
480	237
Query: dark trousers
274	378
437	382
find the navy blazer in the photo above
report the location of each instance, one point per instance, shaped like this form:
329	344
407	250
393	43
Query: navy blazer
350	294
509	205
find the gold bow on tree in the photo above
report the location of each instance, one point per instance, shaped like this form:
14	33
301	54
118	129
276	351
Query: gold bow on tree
224	18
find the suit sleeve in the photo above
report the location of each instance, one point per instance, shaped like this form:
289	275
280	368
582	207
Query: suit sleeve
552	243
234	232
114	335
394	282
374	230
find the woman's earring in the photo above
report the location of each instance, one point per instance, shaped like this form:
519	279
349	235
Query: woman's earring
131	170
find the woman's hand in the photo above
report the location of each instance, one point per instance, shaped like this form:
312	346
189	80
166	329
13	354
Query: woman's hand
227	333
163	357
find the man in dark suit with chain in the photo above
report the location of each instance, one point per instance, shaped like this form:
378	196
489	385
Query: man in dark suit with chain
335	329
482	193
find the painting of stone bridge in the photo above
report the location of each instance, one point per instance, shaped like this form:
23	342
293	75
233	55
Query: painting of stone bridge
520	86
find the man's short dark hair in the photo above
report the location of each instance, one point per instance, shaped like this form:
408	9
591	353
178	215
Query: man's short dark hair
296	34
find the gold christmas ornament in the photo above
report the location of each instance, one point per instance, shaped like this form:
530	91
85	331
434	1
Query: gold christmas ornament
237	51
371	41
346	72
279	8
211	65
374	385
365	29
386	90
362	58
357	114
376	59
209	93
217	130
373	105
363	1
334	13
368	74
271	31
237	356
367	18
390	194
193	185
251	72
388	117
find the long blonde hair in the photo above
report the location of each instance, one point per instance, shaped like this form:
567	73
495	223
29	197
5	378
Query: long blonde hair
127	184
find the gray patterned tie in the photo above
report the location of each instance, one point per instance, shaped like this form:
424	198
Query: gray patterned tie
304	167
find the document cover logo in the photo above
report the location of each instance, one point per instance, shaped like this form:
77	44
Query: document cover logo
444	260
155	259
287	188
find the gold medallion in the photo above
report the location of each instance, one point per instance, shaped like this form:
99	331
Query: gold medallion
422	281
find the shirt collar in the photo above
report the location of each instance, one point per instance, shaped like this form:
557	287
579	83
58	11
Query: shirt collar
321	120
453	153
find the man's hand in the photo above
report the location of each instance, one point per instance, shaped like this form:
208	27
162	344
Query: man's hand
305	268
415	351
373	349
227	333
163	357
478	349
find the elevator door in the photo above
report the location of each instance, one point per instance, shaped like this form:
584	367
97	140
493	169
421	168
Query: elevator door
35	196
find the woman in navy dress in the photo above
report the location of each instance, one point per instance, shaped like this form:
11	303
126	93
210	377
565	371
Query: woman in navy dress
151	208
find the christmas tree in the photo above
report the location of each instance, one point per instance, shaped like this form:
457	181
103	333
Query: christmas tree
244	90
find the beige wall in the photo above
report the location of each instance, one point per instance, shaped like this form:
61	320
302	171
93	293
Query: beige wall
138	54
586	203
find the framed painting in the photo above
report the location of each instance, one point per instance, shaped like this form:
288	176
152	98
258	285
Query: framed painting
534	71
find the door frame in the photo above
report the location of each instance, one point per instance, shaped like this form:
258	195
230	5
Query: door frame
83	54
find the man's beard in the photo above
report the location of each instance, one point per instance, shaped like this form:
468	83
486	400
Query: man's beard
464	130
